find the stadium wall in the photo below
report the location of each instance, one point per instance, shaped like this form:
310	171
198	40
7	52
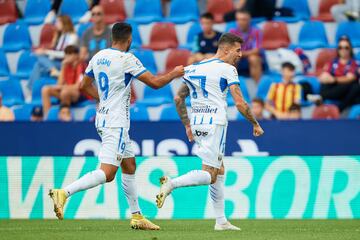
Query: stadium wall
255	187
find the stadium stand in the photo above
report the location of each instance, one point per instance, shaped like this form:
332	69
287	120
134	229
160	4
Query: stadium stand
67	8
150	13
90	113
156	97
322	58
114	11
35	11
275	35
312	35
351	30
162	36
4	68
176	57
326	111
23	112
300	9
219	8
8	12
324	10
354	112
180	14
16	37
191	34
146	56
46	36
11	92
169	113
139	112
25	65
36	89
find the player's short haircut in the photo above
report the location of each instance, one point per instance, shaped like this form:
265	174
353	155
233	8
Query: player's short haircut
229	39
208	15
259	101
121	32
288	65
71	49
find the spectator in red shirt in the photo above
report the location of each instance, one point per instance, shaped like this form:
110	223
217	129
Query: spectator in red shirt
252	55
67	88
339	76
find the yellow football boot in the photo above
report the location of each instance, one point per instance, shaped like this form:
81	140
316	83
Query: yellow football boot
59	198
138	221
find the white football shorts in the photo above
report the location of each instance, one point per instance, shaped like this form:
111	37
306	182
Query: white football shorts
210	140
115	145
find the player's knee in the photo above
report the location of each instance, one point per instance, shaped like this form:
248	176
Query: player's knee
110	176
213	178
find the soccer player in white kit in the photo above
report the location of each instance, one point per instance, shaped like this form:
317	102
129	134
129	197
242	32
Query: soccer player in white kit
113	69
207	84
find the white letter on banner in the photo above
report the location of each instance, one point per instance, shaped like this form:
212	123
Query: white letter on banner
302	187
331	165
148	146
89	208
87	145
42	179
169	146
234	193
148	190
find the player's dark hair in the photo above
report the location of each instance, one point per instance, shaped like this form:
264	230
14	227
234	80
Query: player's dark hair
288	65
121	32
208	15
229	39
71	49
259	101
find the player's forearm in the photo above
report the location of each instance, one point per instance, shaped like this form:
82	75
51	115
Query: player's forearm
181	110
160	81
245	110
92	91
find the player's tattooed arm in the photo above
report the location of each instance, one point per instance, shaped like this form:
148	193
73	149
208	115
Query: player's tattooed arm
241	104
180	97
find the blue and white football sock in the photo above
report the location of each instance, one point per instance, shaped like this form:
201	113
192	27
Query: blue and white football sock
129	186
89	180
217	196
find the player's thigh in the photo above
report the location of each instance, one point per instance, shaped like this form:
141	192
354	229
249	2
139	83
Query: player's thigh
211	143
112	145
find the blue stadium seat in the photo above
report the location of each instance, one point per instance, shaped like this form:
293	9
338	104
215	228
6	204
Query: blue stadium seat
312	35
354	112
264	85
25	65
350	29
181	14
313	81
136	38
169	113
67	8
11	92
38	85
90	113
83	27
157	97
146	56
244	91
4	67
193	31
147	11
357	57
16	37
230	25
36	11
138	112
23	112
300	9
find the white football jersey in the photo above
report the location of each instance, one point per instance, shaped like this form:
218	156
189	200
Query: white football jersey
208	82
113	71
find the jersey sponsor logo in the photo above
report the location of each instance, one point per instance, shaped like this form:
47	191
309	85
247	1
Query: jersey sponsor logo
103	110
103	61
204	109
201	133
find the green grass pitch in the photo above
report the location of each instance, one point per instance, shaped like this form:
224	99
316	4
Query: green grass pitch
179	229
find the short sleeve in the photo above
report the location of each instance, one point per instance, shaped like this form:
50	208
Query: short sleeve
134	66
231	76
89	70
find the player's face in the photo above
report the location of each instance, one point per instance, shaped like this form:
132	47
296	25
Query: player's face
206	24
234	54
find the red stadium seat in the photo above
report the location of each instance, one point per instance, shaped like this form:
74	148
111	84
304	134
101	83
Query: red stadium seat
324	10
275	35
162	36
46	36
114	10
324	56
176	57
8	11
219	7
326	111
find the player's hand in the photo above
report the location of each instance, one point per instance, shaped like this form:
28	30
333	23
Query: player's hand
258	131
189	133
178	71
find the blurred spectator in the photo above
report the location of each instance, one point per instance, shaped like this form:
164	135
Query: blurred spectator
346	10
283	95
97	37
257	108
256	8
49	60
206	42
67	88
338	81
6	114
252	55
50	17
37	114
304	60
294	113
64	114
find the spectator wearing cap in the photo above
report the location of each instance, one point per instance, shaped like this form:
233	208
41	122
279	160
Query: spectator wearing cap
67	88
6	114
97	37
37	114
282	96
339	78
206	42
252	54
